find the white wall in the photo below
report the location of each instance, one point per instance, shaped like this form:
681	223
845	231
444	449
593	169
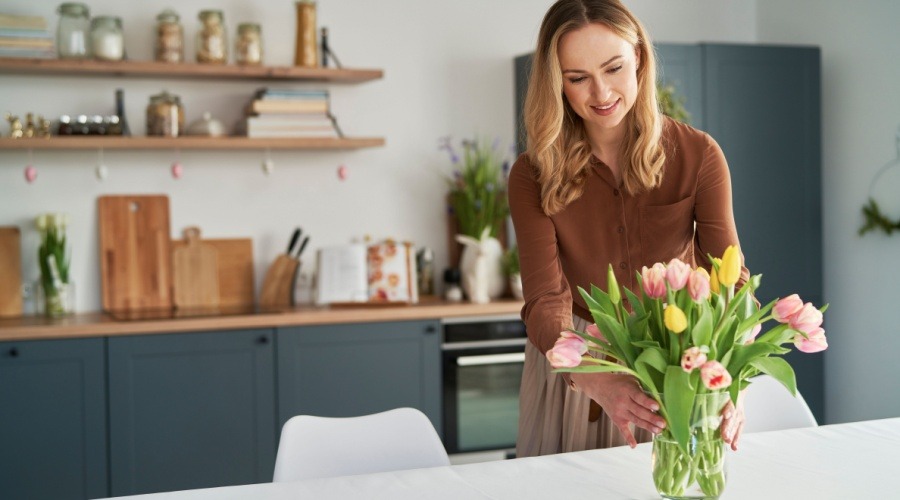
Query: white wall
448	70
860	113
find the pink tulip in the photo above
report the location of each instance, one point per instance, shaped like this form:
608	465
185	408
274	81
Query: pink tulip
698	285
754	333
815	343
593	331
807	319
714	375
786	308
654	280
677	273
567	352
692	358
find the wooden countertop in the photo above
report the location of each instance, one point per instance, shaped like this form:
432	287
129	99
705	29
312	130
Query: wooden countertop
105	325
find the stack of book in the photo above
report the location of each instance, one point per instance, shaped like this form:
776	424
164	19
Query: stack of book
25	36
290	113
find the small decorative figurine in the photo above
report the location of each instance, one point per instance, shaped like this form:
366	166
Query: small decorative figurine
15	126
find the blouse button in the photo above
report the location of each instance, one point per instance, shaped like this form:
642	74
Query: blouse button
621	229
616	192
622	265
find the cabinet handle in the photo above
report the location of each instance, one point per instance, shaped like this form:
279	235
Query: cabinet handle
430	329
262	340
14	353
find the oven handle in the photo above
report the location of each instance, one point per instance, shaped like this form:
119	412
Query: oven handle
483	344
491	359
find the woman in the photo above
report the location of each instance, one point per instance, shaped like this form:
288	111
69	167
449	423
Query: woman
605	179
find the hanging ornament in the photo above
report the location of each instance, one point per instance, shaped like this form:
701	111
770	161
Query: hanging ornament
177	170
268	166
342	172
30	174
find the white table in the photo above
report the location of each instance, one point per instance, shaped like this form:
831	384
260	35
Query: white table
846	461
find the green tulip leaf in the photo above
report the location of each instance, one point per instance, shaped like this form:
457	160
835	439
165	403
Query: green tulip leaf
635	302
678	396
702	331
780	370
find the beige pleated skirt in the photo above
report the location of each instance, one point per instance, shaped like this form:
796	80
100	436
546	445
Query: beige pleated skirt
555	419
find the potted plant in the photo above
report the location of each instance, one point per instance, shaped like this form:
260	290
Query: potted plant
477	199
512	271
56	294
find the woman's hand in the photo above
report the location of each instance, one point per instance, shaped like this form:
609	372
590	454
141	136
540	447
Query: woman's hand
733	421
624	402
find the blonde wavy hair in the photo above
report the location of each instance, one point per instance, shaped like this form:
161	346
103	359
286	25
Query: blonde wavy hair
557	143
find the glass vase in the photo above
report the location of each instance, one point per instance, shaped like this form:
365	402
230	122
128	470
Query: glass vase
699	472
54	301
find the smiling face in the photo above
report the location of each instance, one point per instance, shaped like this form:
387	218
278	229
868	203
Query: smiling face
599	70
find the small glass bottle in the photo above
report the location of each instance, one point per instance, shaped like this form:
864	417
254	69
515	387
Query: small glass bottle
72	31
107	39
169	37
248	48
165	115
212	41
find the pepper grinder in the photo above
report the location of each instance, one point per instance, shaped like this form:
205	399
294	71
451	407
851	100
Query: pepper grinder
120	112
452	291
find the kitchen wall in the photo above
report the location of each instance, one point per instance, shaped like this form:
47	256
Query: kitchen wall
448	70
860	116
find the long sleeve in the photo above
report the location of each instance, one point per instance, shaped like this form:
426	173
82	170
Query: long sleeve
713	210
548	300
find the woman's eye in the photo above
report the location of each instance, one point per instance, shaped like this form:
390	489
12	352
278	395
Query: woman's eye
578	79
616	69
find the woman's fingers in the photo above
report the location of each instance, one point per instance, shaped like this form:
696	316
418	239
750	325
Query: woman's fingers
649	424
737	436
623	427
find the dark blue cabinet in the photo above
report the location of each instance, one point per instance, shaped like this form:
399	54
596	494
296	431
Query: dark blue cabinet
357	369
191	410
762	104
53	419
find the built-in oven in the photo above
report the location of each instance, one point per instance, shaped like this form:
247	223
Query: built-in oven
482	369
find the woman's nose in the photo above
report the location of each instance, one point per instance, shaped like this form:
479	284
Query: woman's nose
601	89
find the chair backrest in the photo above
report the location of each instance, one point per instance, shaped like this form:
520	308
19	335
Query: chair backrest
316	447
768	406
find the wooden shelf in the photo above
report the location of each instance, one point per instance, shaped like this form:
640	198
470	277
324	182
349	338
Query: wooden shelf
208	143
184	70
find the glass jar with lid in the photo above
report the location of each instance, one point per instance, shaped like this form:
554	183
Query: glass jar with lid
107	39
72	31
248	48
169	37
212	41
165	115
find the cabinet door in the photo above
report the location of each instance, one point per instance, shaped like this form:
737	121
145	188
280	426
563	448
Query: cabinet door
357	369
191	410
763	107
682	67
53	419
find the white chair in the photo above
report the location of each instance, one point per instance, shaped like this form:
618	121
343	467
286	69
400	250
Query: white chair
768	406
317	447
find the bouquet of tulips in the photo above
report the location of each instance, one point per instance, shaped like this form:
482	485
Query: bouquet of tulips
691	341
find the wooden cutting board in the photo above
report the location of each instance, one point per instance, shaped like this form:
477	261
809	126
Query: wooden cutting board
235	270
135	252
10	272
195	272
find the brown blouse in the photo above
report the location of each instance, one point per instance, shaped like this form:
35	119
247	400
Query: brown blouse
688	216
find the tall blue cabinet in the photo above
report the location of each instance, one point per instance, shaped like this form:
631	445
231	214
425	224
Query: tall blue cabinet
762	104
53	419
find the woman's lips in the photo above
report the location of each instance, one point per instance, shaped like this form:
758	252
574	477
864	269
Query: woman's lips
606	111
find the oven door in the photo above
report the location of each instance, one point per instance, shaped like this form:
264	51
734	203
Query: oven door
481	394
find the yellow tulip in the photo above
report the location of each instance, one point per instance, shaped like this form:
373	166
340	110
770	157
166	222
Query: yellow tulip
730	270
714	278
675	319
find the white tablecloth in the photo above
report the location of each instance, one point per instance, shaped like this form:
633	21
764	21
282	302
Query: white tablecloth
846	461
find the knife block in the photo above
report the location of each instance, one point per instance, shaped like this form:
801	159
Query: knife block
278	285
